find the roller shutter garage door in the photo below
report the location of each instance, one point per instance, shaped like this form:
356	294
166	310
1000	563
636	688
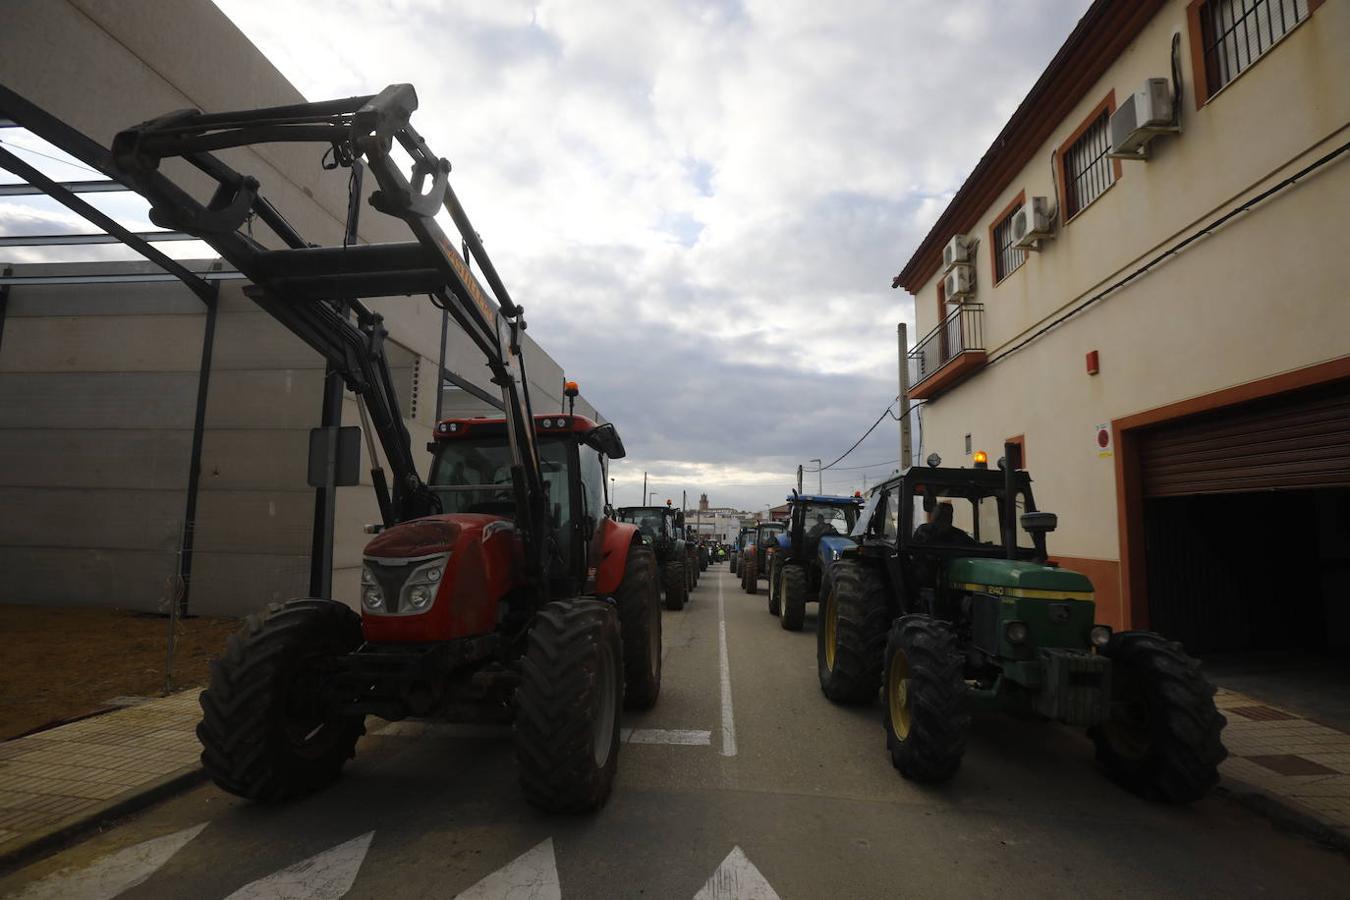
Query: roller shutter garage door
1247	524
1291	442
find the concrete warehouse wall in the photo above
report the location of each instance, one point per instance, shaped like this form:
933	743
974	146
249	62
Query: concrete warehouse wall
98	383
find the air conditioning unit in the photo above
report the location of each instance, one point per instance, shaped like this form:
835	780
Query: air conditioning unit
1144	115
959	282
956	252
1032	223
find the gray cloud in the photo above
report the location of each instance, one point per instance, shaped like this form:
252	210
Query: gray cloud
701	205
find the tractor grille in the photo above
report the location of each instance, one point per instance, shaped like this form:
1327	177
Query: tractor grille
984	609
391	580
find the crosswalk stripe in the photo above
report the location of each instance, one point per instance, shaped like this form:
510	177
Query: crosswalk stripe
531	876
737	879
114	873
323	876
677	737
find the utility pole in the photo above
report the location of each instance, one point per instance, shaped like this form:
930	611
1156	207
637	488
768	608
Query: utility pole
645	496
799	479
820	476
906	446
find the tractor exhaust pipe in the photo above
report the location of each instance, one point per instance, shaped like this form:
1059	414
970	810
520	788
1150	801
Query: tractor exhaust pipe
1009	503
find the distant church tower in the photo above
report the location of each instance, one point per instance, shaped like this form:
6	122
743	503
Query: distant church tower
703	503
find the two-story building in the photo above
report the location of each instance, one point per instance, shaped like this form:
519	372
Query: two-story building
1140	286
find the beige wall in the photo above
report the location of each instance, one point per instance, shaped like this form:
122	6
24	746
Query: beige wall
1262	296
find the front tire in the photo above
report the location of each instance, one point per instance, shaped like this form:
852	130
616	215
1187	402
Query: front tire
639	603
792	590
567	706
924	700
774	608
851	633
676	587
265	732
1163	738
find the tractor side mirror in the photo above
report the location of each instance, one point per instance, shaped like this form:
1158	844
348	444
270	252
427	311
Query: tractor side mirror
605	438
1039	522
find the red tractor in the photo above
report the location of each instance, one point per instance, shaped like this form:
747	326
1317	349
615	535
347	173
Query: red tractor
498	589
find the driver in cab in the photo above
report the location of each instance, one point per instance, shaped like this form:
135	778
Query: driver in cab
939	528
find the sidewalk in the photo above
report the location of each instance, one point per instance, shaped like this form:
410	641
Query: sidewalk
61	779
1301	764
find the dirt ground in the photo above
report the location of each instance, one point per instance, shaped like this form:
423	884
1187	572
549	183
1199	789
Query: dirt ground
59	663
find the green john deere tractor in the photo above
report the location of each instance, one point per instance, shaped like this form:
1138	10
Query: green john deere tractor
949	605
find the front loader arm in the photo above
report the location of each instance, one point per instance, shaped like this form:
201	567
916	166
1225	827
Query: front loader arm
310	289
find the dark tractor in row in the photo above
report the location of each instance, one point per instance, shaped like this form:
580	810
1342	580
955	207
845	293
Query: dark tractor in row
662	529
948	603
817	533
744	538
754	559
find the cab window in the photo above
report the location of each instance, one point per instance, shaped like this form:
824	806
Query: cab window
890	521
592	481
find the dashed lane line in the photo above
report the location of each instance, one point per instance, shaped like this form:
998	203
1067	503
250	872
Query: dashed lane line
728	719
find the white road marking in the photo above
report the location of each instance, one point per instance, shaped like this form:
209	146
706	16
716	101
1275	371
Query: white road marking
114	873
323	876
417	728
531	876
737	879
679	738
728	720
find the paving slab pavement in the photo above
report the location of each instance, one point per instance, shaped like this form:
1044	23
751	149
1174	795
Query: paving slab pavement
55	781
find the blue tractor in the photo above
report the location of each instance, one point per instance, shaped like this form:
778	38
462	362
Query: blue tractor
817	532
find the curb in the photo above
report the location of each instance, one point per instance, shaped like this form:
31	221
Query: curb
25	849
1284	815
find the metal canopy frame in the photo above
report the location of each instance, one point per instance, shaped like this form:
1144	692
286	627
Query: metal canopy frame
18	112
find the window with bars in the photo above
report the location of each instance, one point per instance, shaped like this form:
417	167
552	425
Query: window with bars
1087	170
1007	258
1235	33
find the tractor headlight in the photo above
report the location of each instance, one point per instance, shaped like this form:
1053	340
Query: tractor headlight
371	595
1100	635
419	597
1016	632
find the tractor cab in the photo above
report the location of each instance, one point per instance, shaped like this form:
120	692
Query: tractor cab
660	526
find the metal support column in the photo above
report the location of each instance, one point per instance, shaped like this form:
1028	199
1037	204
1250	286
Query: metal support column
906	441
330	419
195	458
4	302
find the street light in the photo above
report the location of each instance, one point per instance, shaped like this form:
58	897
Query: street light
820	476
613	493
650	495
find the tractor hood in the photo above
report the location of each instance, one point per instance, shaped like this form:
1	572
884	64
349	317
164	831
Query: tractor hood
832	546
1017	576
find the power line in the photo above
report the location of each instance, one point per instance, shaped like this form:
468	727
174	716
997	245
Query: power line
64	162
886	412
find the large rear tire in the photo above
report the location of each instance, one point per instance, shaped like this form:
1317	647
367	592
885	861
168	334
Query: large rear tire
1163	738
924	700
792	590
774	608
752	577
851	633
639	603
567	706
733	564
675	586
265	732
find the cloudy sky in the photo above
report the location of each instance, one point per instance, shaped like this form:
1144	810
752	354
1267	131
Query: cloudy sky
701	204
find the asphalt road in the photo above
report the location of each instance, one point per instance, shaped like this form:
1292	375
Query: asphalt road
774	789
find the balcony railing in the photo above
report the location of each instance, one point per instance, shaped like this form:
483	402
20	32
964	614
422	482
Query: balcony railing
953	349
